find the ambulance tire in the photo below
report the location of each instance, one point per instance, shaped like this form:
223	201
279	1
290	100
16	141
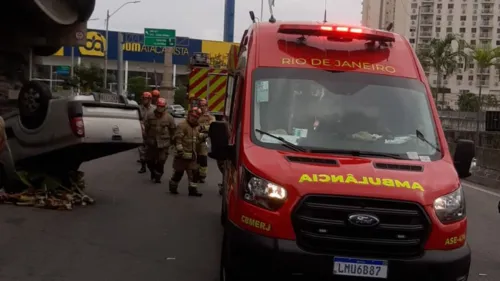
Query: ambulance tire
223	213
226	272
33	103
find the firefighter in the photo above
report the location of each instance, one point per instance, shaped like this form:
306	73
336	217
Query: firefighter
205	120
145	108
187	140
156	96
159	128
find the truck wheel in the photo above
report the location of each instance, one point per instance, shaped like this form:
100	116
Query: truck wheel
85	8
33	103
54	12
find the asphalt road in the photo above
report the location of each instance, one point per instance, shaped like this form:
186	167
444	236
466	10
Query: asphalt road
139	232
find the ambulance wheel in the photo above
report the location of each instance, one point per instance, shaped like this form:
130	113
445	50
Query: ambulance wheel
226	272
223	213
33	103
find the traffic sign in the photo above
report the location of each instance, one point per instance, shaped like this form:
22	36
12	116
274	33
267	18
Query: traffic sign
63	70
159	37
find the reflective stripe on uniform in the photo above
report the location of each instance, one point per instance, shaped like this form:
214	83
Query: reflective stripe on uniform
203	171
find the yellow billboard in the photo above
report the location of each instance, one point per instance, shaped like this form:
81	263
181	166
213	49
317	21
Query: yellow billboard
218	52
94	46
60	52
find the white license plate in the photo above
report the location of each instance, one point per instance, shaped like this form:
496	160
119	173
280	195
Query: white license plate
360	267
109	98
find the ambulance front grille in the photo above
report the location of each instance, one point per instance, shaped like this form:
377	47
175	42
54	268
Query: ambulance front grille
321	226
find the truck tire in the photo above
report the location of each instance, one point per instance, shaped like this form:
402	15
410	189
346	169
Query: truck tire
33	103
55	13
85	8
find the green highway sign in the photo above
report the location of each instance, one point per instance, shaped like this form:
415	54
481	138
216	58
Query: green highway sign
159	37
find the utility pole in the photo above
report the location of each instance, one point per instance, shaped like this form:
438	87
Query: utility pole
108	15
72	61
105	82
120	73
229	21
381	16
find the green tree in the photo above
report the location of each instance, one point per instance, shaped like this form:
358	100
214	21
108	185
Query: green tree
468	102
440	56
485	57
137	85
180	96
87	77
489	101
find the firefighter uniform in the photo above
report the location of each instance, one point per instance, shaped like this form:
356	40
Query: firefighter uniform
205	120
159	127
145	108
187	139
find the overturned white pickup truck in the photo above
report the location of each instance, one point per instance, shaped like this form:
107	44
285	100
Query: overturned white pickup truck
56	135
46	134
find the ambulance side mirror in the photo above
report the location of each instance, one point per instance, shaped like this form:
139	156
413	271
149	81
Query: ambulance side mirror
219	139
462	159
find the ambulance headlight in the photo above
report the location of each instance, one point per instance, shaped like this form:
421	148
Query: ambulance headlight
450	208
263	193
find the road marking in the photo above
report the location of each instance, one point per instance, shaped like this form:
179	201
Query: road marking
475	187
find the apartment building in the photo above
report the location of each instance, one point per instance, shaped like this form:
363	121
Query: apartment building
380	13
475	21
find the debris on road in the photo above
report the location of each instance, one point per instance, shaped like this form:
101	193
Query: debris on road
44	191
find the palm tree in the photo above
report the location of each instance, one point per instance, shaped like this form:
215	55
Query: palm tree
440	56
485	57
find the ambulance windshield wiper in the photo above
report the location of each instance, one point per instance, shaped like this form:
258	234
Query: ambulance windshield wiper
359	153
285	143
421	137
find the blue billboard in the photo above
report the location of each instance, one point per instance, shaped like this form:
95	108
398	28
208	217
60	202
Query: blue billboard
133	48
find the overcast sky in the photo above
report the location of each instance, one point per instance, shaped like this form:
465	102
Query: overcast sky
204	19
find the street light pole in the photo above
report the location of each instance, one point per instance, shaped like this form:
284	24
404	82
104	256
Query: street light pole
105	82
73	54
108	16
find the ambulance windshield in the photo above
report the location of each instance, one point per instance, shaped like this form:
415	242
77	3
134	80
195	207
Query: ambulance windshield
328	111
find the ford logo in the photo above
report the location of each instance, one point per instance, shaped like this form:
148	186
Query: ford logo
363	220
116	130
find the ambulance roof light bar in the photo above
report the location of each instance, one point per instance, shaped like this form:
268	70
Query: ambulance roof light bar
334	31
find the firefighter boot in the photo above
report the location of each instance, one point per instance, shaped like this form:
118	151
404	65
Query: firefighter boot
157	177
193	190
151	168
143	168
172	187
202	174
160	170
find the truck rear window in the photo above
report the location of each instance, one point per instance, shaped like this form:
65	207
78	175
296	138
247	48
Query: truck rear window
330	110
